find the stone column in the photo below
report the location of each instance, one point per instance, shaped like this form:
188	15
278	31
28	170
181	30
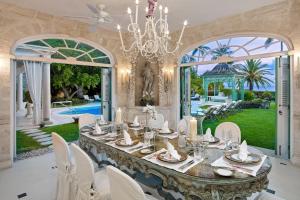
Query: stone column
20	92
46	94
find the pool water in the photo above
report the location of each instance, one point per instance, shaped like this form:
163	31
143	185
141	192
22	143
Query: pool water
95	110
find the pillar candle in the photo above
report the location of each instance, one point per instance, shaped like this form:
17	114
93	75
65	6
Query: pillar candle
119	116
193	128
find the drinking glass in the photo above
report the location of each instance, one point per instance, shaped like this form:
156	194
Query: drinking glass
148	136
199	152
181	140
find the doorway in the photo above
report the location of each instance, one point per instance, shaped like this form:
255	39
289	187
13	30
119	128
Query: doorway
76	78
259	99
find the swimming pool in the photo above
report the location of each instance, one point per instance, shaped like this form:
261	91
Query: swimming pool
95	110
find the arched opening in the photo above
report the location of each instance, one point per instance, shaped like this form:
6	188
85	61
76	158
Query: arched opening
244	79
58	78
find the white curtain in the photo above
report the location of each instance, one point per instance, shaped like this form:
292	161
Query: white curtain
33	72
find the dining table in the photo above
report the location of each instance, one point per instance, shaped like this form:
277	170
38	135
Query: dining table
200	181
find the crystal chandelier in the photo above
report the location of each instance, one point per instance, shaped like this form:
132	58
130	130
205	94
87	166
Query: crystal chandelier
153	43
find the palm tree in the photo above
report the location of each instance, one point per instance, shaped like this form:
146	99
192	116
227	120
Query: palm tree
202	50
223	50
256	73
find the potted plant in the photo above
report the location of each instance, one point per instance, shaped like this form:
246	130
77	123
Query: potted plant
29	105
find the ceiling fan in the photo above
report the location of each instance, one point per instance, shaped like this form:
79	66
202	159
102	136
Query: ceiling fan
99	15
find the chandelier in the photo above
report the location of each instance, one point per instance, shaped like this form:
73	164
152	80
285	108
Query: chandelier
153	42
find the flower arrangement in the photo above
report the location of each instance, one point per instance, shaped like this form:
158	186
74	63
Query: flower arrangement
150	110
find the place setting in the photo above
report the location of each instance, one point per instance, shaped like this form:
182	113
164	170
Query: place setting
173	159
135	125
127	143
240	160
166	132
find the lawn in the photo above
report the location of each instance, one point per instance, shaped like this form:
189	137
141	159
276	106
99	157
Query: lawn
26	143
258	126
70	132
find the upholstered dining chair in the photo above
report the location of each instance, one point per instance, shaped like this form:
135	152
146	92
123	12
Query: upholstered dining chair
65	186
86	119
123	187
157	122
267	196
90	185
228	130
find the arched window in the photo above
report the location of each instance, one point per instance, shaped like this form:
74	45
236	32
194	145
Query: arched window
66	49
231	48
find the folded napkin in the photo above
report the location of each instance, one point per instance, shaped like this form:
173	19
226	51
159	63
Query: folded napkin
136	121
172	152
127	138
98	129
165	127
208	136
243	152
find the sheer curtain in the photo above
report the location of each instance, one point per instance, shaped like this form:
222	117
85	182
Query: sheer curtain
33	72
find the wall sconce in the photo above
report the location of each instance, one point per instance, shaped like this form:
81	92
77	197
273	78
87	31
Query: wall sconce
125	76
167	76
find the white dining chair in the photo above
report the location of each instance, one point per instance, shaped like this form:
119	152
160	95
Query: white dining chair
90	185
65	187
267	196
123	187
156	122
86	119
228	130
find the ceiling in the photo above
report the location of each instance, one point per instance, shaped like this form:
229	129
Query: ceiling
195	11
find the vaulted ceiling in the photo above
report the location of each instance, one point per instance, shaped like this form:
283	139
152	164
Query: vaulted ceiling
195	11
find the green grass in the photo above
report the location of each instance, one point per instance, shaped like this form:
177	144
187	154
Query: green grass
26	143
70	132
258	126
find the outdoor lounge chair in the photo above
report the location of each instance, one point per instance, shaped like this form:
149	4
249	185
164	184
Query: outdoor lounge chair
87	98
196	97
97	98
209	112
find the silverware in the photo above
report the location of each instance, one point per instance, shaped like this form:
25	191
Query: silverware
186	165
135	148
242	168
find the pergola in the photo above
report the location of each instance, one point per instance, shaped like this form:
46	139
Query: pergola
224	73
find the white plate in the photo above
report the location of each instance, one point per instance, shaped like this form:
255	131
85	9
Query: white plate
236	156
224	172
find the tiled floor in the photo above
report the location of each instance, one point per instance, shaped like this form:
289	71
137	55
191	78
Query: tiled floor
37	178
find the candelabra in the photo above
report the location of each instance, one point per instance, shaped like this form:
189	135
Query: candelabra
154	42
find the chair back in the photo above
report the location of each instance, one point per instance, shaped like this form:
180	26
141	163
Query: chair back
84	169
61	152
123	186
86	119
157	122
228	130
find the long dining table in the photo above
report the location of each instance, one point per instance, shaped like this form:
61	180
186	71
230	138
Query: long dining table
198	182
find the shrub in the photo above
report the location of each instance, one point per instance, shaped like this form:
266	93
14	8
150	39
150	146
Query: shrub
227	92
267	96
249	96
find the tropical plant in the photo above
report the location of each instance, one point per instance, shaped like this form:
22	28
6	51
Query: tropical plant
72	80
201	50
249	95
256	73
268	42
196	82
223	50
